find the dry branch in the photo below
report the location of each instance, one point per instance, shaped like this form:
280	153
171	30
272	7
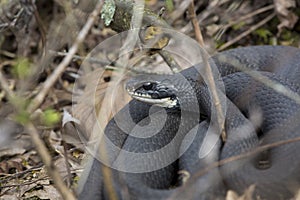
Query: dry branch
123	14
244	34
47	160
210	78
195	23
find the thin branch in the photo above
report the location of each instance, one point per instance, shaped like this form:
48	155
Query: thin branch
244	34
168	58
215	98
180	10
256	75
61	67
211	8
245	155
195	24
27	183
210	78
107	64
47	160
81	58
245	17
66	157
123	15
233	158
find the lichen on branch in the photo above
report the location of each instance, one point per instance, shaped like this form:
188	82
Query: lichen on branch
123	13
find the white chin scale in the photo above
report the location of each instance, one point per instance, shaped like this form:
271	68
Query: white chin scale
164	102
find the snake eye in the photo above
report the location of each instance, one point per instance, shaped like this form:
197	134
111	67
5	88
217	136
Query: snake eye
148	86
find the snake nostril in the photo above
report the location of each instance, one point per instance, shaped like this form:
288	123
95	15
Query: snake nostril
148	86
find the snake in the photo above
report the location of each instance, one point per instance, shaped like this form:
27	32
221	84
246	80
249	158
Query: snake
260	90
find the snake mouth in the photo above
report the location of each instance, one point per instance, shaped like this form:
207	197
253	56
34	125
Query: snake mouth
167	102
154	93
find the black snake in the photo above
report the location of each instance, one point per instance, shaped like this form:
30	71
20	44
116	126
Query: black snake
256	115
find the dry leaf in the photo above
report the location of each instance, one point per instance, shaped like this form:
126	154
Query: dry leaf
18	145
73	132
7	166
8	129
231	195
101	93
44	192
287	18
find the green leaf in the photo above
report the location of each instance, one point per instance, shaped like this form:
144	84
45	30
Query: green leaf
263	33
170	5
50	117
22	69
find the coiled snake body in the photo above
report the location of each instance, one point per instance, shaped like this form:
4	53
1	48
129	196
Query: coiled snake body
256	115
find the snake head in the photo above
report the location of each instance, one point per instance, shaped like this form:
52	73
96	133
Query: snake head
156	92
170	91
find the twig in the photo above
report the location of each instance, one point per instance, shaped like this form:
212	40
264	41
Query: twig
234	158
244	34
7	54
245	17
41	28
297	195
256	75
180	10
106	64
65	153
47	160
168	58
246	154
30	8
18	174
123	15
81	58
215	97
61	67
210	78
26	183
212	7
195	24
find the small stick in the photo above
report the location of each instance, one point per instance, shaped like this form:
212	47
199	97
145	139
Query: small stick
256	75
211	82
196	27
215	97
233	158
168	58
47	160
245	17
244	34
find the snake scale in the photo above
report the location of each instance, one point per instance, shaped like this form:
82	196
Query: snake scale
256	115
